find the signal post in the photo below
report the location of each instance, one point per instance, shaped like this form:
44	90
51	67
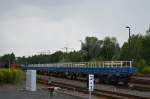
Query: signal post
90	85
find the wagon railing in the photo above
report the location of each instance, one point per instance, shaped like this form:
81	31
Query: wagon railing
87	64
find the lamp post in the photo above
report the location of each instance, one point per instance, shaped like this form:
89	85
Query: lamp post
129	48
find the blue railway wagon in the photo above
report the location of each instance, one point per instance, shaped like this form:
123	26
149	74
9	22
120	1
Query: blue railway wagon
88	70
106	71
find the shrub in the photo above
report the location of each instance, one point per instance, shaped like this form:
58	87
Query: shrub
1	78
141	64
10	76
17	76
146	70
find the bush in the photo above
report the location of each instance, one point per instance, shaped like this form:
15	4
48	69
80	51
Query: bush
141	64
17	76
146	70
10	76
1	78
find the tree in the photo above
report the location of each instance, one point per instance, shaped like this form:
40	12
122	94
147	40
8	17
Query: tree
96	49
101	49
148	32
110	48
21	60
135	50
146	49
136	47
88	46
8	59
75	56
124	55
56	57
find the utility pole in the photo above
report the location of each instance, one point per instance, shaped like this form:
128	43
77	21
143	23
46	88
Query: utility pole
129	48
66	48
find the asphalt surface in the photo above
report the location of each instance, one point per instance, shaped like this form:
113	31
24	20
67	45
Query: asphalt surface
15	92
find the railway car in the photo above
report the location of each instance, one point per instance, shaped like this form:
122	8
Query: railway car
108	72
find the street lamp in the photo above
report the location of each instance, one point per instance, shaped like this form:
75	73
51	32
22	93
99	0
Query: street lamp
129	48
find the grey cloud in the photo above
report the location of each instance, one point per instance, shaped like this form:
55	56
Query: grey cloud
28	26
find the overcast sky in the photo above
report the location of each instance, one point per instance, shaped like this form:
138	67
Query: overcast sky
31	26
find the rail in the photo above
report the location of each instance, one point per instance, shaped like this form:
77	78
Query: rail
87	64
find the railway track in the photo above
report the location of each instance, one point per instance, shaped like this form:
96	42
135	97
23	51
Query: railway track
97	91
142	75
140	87
137	83
140	82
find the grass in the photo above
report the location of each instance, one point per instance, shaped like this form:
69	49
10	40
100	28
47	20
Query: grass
146	70
10	76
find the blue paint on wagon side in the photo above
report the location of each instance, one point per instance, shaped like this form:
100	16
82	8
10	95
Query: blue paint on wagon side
87	70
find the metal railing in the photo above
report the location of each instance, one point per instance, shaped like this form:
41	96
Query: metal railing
87	64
